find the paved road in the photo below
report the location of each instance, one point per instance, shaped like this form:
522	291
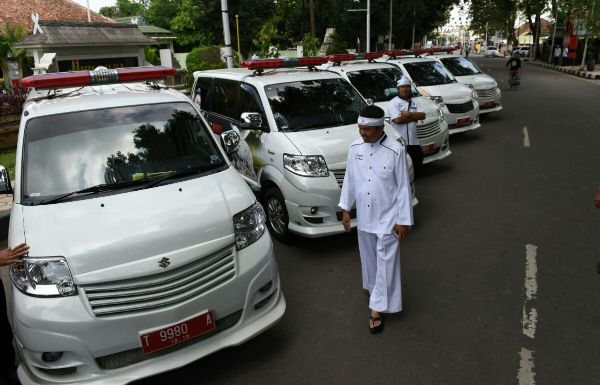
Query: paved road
499	274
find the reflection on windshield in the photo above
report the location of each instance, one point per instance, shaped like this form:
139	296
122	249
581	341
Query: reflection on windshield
314	104
429	73
460	66
70	152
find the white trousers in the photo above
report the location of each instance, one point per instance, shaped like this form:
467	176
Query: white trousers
380	261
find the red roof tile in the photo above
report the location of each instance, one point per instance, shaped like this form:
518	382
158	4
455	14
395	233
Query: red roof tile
13	12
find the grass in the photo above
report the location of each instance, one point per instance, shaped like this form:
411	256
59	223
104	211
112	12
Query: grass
8	159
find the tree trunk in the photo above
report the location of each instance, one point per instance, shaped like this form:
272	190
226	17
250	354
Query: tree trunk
311	10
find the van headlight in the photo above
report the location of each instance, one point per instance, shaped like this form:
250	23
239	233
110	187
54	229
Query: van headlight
43	277
306	165
473	94
437	100
440	114
249	225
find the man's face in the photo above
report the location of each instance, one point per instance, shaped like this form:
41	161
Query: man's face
370	134
404	91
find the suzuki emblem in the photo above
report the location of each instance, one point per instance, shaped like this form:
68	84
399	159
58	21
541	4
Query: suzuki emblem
164	262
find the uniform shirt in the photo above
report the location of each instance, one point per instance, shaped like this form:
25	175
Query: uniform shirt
377	182
565	52
407	130
557	52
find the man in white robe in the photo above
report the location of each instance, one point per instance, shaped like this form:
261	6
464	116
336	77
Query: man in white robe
377	184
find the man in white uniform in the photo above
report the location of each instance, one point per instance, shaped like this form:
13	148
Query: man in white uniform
378	185
404	114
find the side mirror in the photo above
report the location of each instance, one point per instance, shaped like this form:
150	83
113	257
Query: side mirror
231	141
369	101
251	120
5	186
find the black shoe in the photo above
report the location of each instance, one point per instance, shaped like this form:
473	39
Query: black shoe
379	328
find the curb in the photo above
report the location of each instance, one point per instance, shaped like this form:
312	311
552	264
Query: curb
581	74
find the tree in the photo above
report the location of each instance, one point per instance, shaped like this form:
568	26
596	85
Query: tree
310	45
122	8
265	39
494	15
161	12
9	35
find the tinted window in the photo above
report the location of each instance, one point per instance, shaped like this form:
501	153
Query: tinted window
224	98
250	102
430	73
460	66
314	104
378	84
200	96
69	152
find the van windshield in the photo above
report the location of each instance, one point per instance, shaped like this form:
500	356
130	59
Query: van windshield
429	73
114	147
313	104
378	84
460	66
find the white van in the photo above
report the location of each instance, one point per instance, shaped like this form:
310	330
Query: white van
433	80
147	249
488	94
377	81
297	125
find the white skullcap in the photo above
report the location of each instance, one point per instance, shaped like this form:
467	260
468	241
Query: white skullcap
371	122
404	81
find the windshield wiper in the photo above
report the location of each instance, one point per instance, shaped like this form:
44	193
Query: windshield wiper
178	174
91	190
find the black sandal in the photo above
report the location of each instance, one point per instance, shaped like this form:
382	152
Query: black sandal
379	328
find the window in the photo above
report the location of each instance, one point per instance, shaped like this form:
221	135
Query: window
224	98
200	97
460	66
250	101
429	73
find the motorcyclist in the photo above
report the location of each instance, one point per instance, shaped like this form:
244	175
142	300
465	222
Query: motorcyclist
514	67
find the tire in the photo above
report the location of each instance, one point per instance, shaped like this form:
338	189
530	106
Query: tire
277	215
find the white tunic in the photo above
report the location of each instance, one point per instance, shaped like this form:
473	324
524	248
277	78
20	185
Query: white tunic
377	183
407	130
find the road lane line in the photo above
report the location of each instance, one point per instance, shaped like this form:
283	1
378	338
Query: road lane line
525	137
529	318
526	375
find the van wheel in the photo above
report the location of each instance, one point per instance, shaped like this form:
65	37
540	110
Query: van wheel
277	215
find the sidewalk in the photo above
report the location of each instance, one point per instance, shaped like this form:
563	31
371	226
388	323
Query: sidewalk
572	70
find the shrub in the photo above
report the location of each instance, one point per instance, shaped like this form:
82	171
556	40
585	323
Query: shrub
203	58
338	45
11	106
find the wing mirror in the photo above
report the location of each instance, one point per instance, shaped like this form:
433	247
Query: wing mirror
231	141
5	186
251	120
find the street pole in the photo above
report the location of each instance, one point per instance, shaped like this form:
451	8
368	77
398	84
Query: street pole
414	21
237	29
368	26
390	39
88	11
226	34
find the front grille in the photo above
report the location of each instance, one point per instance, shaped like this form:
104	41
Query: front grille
132	356
339	176
489	93
428	130
162	289
460	108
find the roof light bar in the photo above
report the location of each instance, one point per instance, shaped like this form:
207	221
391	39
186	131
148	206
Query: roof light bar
98	76
352	56
262	64
372	55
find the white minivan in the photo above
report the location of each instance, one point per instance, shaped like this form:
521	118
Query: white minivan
465	71
432	79
147	249
297	125
376	81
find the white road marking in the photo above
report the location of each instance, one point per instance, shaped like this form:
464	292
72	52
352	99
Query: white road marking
525	137
526	375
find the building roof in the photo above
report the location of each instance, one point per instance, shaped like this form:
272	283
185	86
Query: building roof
63	34
545	28
15	12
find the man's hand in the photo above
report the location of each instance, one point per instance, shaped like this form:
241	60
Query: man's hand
346	221
597	197
400	231
13	255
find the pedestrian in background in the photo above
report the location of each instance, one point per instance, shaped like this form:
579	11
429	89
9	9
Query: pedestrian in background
377	184
565	55
8	373
557	53
404	114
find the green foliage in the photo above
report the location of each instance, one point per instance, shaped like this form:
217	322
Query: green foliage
338	45
151	55
122	8
310	45
9	35
8	160
265	39
201	59
161	12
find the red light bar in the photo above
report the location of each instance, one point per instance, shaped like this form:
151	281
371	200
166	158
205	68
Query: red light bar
342	57
372	55
98	76
398	52
261	64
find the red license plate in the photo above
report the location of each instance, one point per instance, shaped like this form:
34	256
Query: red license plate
178	333
489	104
463	122
429	149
